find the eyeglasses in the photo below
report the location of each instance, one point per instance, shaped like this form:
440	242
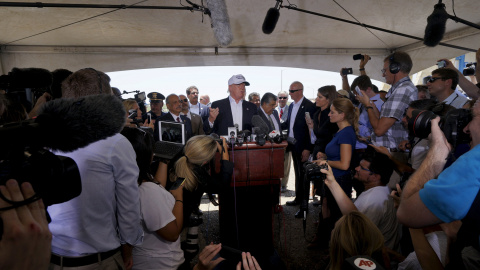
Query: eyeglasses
433	79
201	99
383	71
183	100
365	169
282	97
293	91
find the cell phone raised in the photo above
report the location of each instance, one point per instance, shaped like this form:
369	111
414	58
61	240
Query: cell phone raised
149	115
357	89
346	71
230	254
441	64
307	116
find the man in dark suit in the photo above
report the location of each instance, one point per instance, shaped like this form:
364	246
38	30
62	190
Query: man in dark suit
195	106
297	128
197	123
174	108
233	110
267	112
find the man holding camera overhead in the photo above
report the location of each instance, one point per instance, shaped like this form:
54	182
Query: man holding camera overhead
387	125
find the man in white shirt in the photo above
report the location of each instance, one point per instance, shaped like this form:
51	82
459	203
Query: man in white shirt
282	108
195	106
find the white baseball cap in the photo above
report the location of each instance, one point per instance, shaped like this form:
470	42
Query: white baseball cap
238	79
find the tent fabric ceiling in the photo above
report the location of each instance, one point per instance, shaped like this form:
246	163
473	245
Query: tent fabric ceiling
137	38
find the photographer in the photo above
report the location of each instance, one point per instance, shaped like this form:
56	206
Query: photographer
196	167
453	194
374	173
134	119
472	90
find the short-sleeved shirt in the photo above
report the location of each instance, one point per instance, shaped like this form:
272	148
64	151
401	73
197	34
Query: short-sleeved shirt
345	136
398	97
450	196
156	253
364	127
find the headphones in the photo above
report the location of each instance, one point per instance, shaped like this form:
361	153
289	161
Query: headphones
394	66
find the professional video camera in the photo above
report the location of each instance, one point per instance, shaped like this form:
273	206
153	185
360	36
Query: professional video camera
452	125
64	125
469	69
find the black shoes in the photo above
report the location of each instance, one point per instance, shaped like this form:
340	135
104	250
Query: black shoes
292	203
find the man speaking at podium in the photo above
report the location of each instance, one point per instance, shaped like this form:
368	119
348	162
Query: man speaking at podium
268	113
232	110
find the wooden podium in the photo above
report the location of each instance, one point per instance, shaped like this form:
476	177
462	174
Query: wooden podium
246	207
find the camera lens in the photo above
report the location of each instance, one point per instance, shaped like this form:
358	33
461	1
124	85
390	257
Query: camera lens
419	125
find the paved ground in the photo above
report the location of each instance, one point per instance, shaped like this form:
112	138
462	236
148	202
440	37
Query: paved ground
288	232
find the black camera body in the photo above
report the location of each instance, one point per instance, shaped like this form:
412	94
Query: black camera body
452	125
359	56
469	69
346	71
313	174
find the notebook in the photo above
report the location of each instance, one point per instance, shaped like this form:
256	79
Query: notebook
172	139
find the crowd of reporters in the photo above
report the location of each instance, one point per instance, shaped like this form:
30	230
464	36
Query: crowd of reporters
334	135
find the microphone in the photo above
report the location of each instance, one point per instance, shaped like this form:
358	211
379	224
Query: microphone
271	18
257	121
436	24
70	123
220	22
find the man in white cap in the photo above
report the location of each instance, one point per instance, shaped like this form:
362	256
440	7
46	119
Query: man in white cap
232	110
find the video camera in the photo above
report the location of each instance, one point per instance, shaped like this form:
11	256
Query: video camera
469	69
313	174
452	125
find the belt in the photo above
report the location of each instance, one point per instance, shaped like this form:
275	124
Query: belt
81	261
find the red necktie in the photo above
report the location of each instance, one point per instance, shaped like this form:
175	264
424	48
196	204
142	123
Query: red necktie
178	119
281	113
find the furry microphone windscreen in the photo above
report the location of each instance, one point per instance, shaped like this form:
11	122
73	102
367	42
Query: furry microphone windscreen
436	25
72	123
220	22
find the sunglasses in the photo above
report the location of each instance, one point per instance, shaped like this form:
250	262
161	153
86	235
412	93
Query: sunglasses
282	97
293	91
183	100
433	79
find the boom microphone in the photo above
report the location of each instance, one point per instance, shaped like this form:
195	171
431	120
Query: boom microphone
70	123
436	24
220	22
271	19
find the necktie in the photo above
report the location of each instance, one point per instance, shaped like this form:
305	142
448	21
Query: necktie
281	113
178	119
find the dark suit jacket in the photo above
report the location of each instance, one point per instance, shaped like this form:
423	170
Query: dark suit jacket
300	128
168	117
225	119
197	124
204	111
264	118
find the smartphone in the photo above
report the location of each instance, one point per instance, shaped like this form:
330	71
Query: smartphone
358	91
441	64
177	183
346	71
230	254
149	116
307	115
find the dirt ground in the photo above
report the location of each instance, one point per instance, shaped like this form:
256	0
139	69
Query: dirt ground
288	232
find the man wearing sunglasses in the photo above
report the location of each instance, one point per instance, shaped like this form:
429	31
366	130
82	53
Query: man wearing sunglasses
197	123
298	129
282	108
442	86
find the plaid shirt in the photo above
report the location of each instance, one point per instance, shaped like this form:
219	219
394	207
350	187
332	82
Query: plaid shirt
399	96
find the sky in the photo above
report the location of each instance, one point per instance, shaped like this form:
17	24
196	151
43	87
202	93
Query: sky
213	81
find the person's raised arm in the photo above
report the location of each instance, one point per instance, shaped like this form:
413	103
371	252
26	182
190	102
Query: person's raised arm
345	84
363	63
379	124
477	73
344	203
470	89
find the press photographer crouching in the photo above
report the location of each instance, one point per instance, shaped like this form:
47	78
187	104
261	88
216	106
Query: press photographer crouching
452	195
374	173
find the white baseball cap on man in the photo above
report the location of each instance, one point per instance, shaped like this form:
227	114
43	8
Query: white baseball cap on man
238	79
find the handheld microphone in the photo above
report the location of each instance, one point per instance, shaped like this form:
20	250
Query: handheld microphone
436	25
271	18
220	22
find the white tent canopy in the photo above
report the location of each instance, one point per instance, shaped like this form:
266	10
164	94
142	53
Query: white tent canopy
128	39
